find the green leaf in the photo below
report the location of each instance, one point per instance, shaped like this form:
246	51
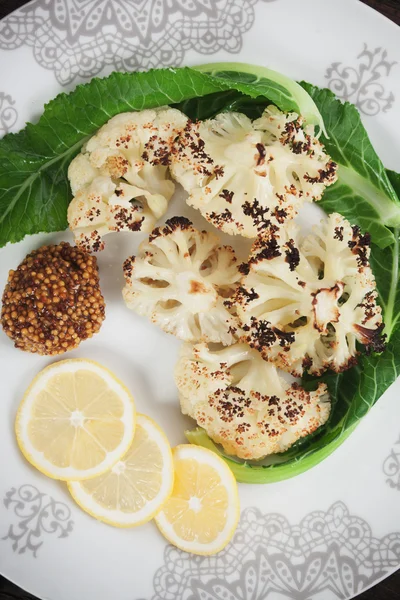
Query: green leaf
394	179
363	193
207	107
352	197
34	192
385	265
251	473
256	81
355	391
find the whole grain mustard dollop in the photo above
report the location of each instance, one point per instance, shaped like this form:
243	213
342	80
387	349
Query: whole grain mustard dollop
53	301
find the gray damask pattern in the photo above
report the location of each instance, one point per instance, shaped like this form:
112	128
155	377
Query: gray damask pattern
330	554
80	37
35	515
391	467
364	84
8	113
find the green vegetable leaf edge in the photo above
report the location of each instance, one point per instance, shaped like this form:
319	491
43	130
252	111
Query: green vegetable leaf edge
245	472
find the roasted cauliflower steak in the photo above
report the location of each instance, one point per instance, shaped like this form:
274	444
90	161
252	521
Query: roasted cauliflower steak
180	280
305	303
242	401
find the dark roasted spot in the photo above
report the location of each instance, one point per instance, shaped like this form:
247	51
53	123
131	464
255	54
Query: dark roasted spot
218	219
359	245
219	172
273	401
244	269
128	267
285	337
292	255
126	218
227	195
256	212
246	295
261	154
280	214
170	226
325	176
338	234
270	249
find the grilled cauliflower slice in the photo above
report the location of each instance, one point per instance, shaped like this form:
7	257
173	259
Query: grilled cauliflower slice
180	280
305	304
243	403
243	175
120	181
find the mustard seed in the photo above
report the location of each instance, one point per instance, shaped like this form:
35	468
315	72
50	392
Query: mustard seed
57	289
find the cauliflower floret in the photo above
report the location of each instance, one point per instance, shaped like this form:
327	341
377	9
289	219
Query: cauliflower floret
243	175
305	304
243	403
181	279
81	172
123	172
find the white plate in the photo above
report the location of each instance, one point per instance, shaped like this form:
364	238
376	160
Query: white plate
327	534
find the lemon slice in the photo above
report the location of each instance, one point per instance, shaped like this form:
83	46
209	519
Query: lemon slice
203	511
75	421
135	489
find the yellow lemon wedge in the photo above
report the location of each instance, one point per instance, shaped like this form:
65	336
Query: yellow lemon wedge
76	420
137	486
203	511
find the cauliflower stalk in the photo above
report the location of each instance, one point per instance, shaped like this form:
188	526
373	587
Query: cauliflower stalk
305	304
181	279
120	180
243	403
244	175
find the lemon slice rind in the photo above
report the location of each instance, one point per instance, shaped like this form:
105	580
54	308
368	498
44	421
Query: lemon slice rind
118	518
207	457
38	384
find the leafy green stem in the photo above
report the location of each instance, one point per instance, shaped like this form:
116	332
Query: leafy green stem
390	319
276	87
384	207
259	473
